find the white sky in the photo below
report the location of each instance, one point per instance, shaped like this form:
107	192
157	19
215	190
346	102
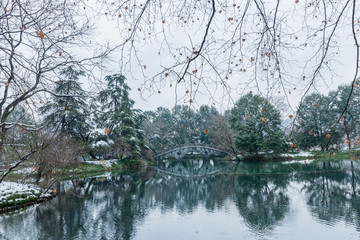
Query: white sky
344	67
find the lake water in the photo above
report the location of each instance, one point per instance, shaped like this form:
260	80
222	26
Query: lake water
201	199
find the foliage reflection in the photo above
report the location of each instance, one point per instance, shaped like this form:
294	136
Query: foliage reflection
115	206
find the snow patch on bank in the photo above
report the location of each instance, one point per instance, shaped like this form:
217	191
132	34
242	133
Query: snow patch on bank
105	163
299	154
10	189
27	170
299	161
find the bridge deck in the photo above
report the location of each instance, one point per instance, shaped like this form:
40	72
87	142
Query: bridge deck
189	149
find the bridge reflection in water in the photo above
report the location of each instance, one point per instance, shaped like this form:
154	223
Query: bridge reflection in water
258	201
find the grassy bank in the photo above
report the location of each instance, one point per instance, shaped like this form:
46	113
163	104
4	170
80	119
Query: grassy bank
325	156
14	195
316	155
93	168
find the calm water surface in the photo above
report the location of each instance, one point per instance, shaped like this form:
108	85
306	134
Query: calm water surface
201	199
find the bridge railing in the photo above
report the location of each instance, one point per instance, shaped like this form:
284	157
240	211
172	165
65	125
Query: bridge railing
189	145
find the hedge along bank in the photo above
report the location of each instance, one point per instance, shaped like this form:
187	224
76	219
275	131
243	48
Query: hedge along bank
15	195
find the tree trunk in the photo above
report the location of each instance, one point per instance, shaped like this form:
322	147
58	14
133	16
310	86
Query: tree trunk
2	142
346	130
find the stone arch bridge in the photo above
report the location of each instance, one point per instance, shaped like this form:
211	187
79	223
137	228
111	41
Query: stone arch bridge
180	151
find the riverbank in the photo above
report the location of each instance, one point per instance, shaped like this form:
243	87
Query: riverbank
302	155
98	167
15	195
200	193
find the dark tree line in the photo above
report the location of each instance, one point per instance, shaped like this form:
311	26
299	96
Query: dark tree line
255	125
323	123
181	125
108	126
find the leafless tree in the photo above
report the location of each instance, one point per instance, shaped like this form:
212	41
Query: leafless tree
60	153
206	46
37	40
277	47
222	135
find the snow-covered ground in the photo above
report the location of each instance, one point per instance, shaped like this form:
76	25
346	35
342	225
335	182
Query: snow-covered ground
297	154
299	161
27	170
23	191
105	163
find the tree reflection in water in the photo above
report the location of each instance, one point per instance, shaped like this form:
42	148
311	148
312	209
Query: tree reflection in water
114	207
333	196
262	201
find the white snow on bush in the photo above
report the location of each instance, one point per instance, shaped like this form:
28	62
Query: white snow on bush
9	189
101	143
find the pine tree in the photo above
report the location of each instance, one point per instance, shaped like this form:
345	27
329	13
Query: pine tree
119	118
67	111
257	125
315	123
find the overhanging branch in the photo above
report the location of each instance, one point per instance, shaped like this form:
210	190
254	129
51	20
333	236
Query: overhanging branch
197	53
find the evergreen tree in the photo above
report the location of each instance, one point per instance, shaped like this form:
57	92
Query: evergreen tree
119	118
315	123
348	119
257	125
140	118
67	112
181	125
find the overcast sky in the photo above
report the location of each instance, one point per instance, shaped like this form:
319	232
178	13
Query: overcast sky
169	96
